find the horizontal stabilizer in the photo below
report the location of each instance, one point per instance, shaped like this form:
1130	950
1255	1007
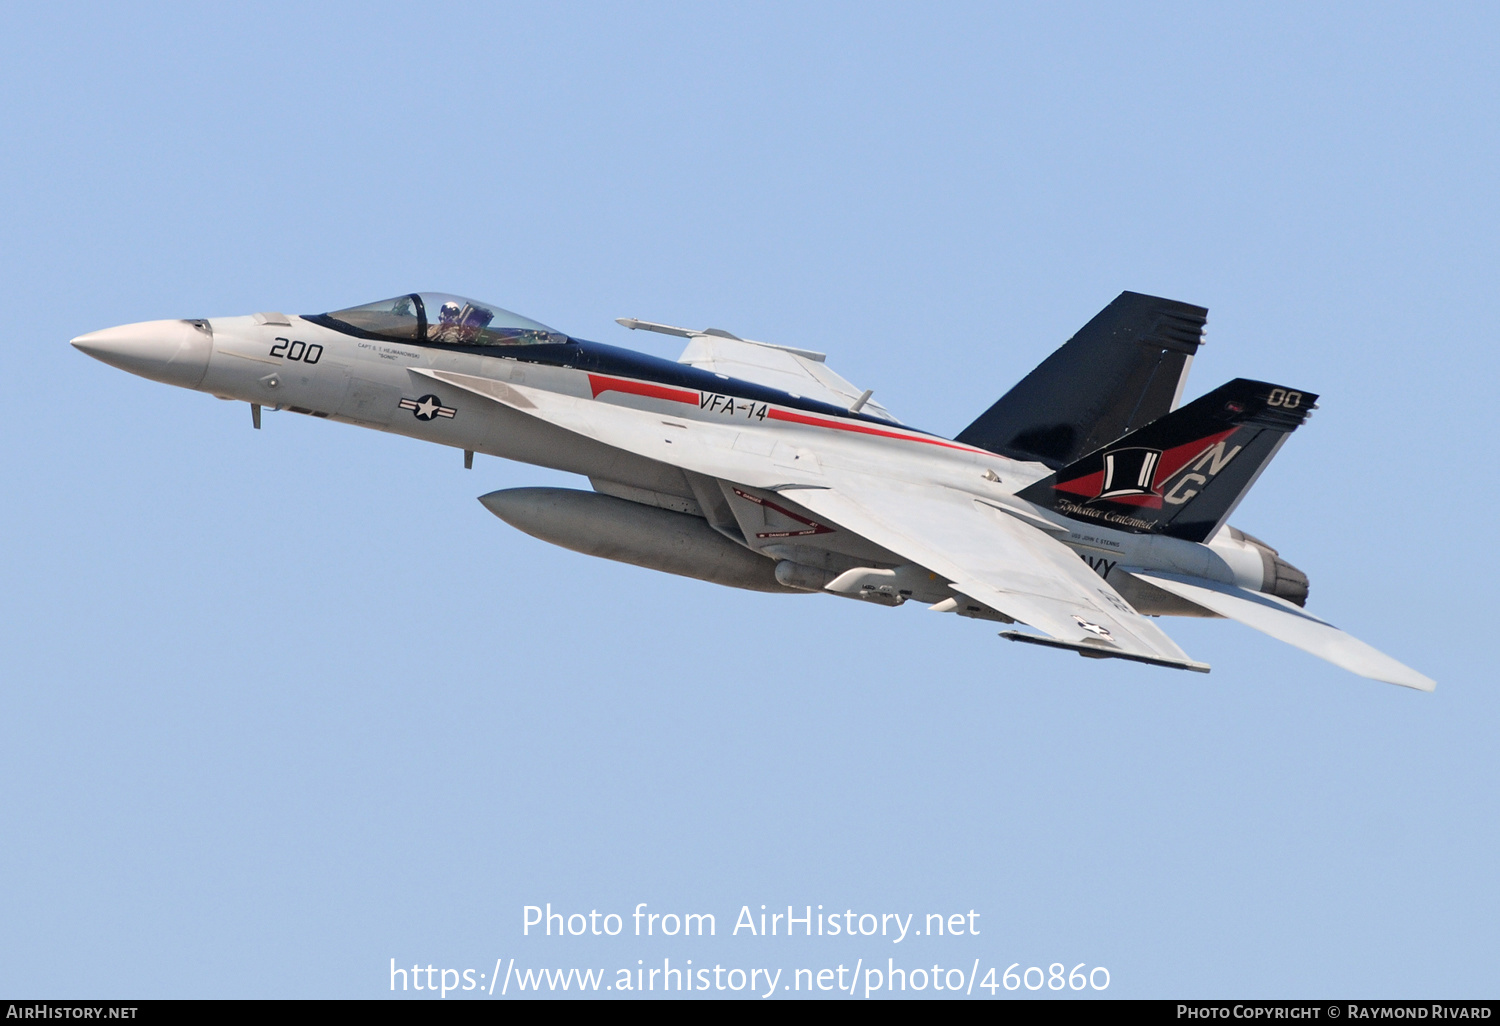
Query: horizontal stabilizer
1286	622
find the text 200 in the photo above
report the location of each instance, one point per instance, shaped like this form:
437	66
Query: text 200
297	350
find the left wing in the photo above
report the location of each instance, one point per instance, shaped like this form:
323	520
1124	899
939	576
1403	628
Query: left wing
997	559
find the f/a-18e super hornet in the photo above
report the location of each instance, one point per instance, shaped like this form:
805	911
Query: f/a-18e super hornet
1082	503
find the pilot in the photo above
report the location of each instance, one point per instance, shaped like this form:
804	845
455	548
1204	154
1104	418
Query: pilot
459	324
448	328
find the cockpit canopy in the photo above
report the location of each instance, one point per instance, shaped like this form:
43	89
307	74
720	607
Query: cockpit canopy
439	317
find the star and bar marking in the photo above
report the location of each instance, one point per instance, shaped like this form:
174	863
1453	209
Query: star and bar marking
428	407
1093	628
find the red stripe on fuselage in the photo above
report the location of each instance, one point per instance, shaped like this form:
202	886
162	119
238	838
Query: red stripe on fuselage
601	383
861	429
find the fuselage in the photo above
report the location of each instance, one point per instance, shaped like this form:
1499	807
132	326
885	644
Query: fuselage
319	366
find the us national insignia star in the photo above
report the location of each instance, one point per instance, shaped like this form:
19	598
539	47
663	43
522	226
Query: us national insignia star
1092	628
428	407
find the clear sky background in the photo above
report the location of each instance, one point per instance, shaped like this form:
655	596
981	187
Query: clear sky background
280	706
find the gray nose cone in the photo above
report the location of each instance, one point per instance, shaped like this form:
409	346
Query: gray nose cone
174	352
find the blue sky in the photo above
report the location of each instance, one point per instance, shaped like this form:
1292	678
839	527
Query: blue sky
281	706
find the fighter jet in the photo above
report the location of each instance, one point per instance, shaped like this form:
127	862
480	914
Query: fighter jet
1083	504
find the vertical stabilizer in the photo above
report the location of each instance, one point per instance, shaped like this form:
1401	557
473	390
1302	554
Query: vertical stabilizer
1124	369
1181	475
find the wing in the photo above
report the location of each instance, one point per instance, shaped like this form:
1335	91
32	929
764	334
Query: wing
1291	624
799	371
997	559
985	552
779	368
706	448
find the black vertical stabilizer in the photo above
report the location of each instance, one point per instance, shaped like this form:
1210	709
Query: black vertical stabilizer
1122	370
1183	474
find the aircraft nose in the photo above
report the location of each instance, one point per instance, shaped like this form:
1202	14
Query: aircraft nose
174	352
